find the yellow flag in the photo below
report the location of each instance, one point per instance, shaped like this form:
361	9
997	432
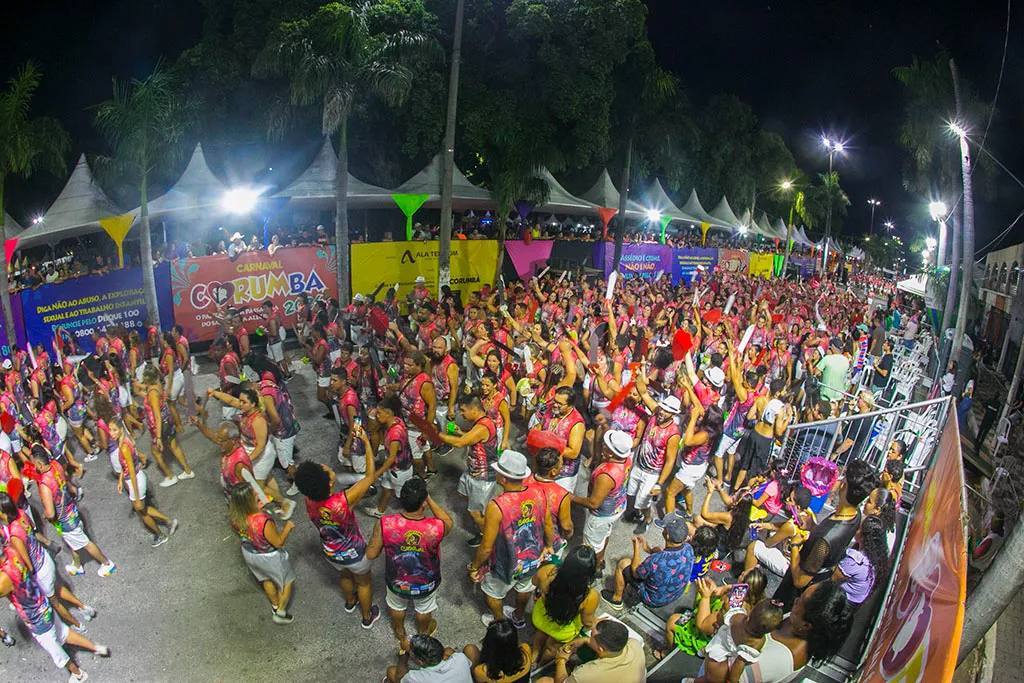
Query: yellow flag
704	227
118	227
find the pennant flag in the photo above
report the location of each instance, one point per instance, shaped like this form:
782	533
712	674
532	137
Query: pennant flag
704	227
118	227
606	217
682	344
713	316
780	260
665	220
409	204
9	247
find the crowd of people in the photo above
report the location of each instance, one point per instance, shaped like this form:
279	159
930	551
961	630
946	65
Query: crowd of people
568	398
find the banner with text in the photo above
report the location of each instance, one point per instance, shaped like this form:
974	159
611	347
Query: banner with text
762	265
734	261
473	265
805	264
918	635
685	262
640	260
199	285
94	302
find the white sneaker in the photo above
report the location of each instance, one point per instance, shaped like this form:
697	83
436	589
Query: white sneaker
88	613
293	490
169	481
79	677
91	457
74	569
287	509
102	650
187	475
106	569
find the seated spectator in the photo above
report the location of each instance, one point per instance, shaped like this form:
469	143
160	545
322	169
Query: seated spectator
733	524
739	640
566	602
892	479
618	658
660	578
692	631
705	548
882	503
501	658
437	663
866	563
985	551
773	553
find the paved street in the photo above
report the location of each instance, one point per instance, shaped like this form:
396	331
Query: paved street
190	610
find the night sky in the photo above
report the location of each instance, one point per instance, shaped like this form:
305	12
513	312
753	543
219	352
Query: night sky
805	67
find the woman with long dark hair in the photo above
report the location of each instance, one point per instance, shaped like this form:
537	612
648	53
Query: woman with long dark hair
699	443
733	524
866	564
566	604
882	503
501	658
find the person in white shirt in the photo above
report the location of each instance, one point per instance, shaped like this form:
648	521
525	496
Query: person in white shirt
437	664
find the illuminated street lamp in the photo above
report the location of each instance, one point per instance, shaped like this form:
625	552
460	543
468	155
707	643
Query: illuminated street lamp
833	146
874	204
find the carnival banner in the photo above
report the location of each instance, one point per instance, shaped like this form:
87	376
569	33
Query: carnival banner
734	260
918	635
685	262
19	328
201	285
473	265
761	265
639	260
94	302
805	264
528	258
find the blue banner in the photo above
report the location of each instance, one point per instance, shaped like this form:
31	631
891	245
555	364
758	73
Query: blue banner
94	302
685	262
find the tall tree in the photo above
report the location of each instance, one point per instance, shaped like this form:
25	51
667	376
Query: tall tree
27	144
331	59
145	123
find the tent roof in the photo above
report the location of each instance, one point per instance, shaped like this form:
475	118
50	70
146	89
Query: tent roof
751	225
915	284
11	226
807	240
465	194
693	208
76	210
765	227
560	201
723	212
658	199
781	230
316	184
197	188
604	194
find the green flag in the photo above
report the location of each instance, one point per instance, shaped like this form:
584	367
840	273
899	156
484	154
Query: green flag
409	203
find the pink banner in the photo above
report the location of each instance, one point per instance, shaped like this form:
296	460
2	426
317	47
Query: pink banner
528	259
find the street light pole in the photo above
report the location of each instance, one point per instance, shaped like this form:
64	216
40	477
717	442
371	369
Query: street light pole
832	146
875	203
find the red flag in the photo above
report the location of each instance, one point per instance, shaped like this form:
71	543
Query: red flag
379	321
538	439
620	397
713	316
682	343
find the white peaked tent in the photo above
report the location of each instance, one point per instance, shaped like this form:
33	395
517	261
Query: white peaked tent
781	230
751	225
805	239
11	226
315	186
465	195
723	213
766	228
76	210
834	246
197	189
658	200
693	208
560	201
604	194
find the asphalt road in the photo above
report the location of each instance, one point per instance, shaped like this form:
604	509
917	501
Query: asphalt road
191	611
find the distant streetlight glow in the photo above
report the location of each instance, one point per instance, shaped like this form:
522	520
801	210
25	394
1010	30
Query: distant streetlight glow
37	220
653	215
937	210
240	200
890	225
957	129
930	243
786	185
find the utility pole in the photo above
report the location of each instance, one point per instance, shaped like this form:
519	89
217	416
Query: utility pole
875	203
444	258
620	217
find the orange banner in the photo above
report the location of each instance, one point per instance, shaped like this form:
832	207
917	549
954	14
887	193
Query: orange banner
919	633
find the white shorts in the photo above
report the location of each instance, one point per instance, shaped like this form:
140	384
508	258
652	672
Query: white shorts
598	529
394	481
418	444
323	382
134	495
77	539
53	642
639	484
689	475
479	493
46	576
177	385
726	445
772	559
262	466
569	483
284	449
275	351
360	566
400	603
494	587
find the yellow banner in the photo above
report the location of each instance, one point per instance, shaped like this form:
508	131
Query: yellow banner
473	265
118	227
762	265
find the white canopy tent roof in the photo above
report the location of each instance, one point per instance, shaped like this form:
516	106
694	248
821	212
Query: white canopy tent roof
76	210
197	188
560	201
11	226
604	194
751	226
659	200
781	230
315	185
766	227
915	284
806	240
693	208
465	195
724	214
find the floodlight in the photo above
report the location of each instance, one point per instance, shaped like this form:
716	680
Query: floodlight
240	200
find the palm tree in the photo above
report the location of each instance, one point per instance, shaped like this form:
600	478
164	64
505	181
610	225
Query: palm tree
330	59
145	123
26	145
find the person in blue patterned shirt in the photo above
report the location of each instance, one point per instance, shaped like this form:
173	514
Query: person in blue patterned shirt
662	576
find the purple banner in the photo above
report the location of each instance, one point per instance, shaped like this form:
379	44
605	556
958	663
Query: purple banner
640	260
805	264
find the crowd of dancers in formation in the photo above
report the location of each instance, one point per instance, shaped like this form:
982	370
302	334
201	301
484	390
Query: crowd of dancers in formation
612	400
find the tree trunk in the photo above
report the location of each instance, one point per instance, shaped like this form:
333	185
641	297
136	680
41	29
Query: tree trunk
444	258
954	274
968	244
499	220
341	250
5	292
620	217
789	243
146	253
